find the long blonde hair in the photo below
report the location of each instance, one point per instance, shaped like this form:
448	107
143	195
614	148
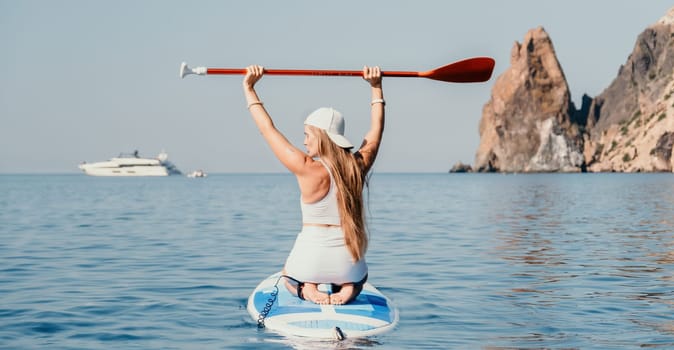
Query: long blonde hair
348	172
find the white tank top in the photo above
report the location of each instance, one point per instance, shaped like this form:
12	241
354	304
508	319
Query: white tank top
325	210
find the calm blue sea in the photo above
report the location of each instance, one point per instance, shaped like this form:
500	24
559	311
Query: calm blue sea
473	261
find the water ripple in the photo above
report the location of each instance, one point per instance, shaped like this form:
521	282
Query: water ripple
478	261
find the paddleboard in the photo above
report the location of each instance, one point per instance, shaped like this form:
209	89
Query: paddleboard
272	305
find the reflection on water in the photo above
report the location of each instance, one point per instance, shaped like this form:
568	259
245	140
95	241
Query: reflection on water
603	251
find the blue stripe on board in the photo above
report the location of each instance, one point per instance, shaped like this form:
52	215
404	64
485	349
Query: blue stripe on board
367	305
330	324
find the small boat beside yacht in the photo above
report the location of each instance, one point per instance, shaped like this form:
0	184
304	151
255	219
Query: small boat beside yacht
197	174
132	165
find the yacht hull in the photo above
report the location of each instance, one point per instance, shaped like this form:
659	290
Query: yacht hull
131	166
127	171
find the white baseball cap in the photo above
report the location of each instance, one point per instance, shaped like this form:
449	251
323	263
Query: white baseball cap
330	120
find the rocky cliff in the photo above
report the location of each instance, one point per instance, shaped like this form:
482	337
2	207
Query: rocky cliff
527	125
631	123
531	125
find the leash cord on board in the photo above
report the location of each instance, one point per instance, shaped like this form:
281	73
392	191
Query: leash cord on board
267	307
270	302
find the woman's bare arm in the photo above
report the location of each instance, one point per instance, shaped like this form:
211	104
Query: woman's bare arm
290	156
370	146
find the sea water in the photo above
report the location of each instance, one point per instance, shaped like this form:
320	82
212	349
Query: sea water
472	261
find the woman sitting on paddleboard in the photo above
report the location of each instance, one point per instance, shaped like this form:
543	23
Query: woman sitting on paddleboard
332	244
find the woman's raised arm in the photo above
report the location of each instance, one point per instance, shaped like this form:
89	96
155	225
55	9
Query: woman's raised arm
290	156
370	146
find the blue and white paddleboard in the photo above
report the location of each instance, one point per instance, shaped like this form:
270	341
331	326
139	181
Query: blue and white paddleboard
370	314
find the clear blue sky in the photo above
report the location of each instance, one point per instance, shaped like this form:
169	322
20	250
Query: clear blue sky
86	80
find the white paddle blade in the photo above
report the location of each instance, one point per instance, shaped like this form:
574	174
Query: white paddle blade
185	70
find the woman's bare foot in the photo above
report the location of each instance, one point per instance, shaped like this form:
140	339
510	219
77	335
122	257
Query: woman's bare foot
345	295
310	292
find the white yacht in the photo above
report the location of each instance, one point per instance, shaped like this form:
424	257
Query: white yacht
131	165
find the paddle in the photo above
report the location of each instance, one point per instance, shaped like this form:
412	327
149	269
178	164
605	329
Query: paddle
470	70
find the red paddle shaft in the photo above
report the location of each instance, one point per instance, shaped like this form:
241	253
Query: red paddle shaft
470	70
325	72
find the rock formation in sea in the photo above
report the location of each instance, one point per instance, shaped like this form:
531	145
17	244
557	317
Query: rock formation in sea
530	123
461	168
527	125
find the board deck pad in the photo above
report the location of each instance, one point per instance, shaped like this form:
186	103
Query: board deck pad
371	313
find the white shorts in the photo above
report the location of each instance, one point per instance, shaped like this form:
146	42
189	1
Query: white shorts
320	256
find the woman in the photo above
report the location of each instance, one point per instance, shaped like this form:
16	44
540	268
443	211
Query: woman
331	247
